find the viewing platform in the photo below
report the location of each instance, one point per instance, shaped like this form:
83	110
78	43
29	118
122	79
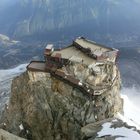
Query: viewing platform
39	66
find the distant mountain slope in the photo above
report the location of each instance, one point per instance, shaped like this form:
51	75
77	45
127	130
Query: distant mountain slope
14	52
129	65
34	17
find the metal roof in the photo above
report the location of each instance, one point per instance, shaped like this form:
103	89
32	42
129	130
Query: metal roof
74	54
92	45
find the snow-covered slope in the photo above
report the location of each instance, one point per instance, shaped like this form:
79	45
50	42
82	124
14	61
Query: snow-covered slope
10	73
121	133
130	130
6	77
131	112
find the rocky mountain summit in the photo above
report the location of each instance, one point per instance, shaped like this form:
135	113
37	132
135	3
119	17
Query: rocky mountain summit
43	106
50	108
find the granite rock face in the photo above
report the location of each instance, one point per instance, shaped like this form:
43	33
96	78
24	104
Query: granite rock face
43	107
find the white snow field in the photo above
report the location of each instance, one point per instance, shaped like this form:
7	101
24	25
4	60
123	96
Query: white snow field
131	97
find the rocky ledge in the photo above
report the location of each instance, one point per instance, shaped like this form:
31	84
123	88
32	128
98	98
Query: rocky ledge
43	107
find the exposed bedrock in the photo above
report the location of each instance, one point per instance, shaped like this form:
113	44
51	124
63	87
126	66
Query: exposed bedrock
43	107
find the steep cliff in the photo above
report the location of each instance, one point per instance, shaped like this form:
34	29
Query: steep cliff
43	107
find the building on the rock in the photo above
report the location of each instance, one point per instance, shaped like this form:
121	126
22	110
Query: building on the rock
81	51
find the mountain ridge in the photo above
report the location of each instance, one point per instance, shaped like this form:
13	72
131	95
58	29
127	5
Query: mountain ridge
35	17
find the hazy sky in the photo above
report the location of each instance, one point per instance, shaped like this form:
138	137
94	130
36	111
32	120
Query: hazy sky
4	3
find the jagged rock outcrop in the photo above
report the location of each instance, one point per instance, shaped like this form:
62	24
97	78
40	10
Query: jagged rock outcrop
43	107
